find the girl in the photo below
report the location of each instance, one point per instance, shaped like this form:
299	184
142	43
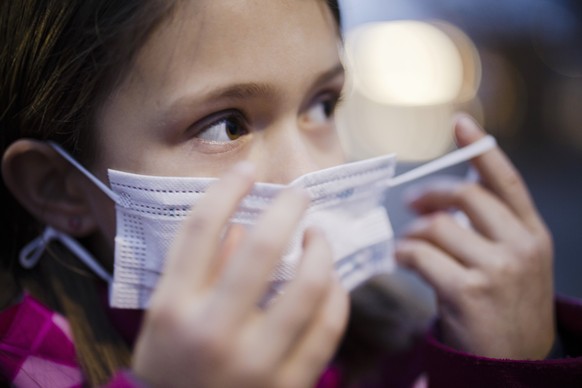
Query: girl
244	90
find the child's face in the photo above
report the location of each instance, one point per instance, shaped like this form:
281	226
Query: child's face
227	80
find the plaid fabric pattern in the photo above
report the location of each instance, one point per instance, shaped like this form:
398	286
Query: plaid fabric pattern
36	347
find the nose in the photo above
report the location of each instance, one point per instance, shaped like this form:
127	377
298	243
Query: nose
287	152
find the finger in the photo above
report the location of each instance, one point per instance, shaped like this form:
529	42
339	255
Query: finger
293	311
235	235
197	241
316	348
440	270
459	242
499	174
488	215
248	272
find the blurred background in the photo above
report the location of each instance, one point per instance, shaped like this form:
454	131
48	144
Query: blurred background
515	65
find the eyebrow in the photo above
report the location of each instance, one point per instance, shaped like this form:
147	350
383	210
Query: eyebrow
332	73
243	91
247	90
258	90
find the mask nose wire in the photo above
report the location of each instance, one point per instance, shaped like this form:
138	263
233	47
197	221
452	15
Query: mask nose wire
31	253
458	156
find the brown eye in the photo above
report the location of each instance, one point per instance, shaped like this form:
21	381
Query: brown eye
233	130
323	110
224	130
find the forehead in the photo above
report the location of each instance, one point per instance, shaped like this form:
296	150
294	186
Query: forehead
209	42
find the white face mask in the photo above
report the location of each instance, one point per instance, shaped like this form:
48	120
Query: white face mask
346	203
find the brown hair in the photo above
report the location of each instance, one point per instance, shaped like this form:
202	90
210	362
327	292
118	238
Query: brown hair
59	59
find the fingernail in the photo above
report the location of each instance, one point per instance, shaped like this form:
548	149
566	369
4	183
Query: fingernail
467	127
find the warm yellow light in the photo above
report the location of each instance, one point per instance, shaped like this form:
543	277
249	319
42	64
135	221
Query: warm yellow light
405	63
407	80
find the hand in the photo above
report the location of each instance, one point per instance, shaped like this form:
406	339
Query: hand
204	328
493	280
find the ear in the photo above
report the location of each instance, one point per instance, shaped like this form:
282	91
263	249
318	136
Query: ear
48	187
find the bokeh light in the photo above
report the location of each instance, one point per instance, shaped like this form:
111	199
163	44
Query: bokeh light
405	63
408	78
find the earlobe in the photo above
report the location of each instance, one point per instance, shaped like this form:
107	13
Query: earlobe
48	187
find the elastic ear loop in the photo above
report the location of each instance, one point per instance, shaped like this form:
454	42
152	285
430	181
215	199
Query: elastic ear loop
455	157
85	172
32	252
458	156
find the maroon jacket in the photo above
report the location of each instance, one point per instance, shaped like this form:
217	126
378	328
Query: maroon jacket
445	367
441	365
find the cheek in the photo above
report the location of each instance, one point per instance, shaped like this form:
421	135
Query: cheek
106	221
102	240
328	149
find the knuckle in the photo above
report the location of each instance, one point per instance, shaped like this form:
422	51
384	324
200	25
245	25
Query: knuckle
546	238
465	192
164	317
507	268
528	248
546	242
511	179
209	342
262	245
534	253
439	224
191	334
474	285
251	373
333	329
290	380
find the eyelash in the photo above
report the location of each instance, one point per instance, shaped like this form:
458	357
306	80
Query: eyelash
336	99
330	99
224	117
